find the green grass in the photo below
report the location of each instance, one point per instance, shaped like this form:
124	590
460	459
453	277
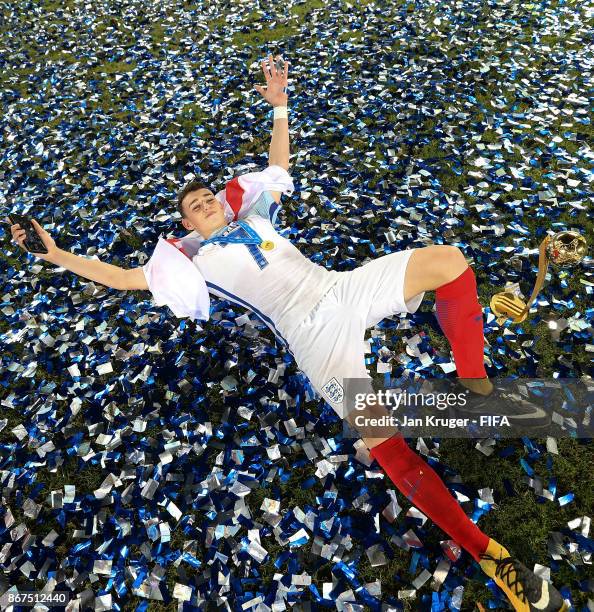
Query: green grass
114	68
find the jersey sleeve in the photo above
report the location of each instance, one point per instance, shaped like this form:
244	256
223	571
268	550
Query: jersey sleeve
265	207
176	282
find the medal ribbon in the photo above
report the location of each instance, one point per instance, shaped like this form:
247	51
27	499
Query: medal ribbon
233	234
239	232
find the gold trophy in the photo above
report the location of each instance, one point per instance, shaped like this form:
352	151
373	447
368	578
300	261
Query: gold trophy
561	249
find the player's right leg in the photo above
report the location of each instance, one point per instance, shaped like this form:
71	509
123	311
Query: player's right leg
425	489
328	347
376	286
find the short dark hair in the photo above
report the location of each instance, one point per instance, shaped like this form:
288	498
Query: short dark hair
194	185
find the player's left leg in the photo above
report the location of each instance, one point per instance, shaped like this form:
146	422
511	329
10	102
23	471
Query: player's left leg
460	316
382	286
459	312
443	269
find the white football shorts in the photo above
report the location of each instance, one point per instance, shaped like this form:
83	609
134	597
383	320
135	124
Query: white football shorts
328	345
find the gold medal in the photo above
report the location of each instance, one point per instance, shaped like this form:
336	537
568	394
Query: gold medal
267	245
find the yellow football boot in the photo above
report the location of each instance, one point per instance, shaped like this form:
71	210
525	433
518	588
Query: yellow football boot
524	589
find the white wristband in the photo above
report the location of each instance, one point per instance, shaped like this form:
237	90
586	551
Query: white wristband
280	112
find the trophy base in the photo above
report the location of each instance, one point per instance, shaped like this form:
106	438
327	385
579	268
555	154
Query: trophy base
507	305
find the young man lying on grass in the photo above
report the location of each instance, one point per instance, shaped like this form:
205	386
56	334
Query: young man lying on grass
234	252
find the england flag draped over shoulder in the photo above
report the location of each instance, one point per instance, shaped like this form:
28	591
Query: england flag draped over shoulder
241	193
170	273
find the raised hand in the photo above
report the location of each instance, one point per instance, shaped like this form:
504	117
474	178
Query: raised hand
276	82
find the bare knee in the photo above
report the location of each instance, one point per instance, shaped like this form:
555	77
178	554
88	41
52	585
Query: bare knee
449	261
432	266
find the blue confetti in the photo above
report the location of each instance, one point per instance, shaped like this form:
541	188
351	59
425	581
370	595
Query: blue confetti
133	461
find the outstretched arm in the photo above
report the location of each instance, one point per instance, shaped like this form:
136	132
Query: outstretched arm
92	269
274	93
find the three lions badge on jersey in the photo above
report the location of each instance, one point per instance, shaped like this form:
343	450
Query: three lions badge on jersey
333	389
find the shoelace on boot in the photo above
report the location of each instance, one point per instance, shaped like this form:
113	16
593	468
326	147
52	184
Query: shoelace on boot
508	574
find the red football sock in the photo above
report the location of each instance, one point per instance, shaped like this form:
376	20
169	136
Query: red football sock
425	489
460	316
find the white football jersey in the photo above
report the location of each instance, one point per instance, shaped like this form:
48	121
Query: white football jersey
280	286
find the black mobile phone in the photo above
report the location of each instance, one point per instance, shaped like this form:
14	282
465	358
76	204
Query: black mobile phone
33	243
